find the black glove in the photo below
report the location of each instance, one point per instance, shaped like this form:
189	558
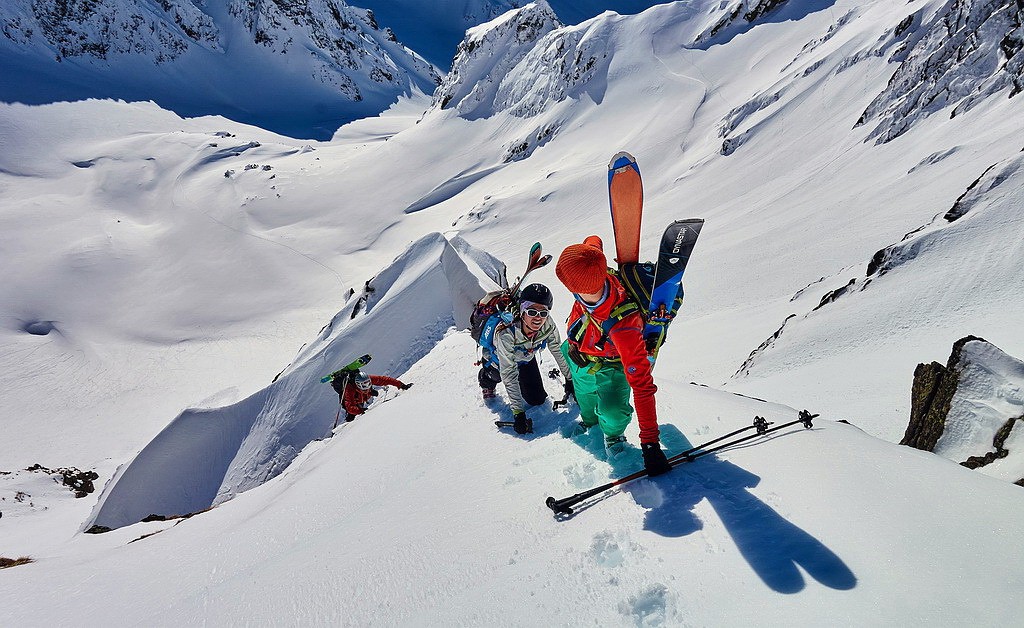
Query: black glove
654	459
570	389
405	386
349	417
374	392
522	424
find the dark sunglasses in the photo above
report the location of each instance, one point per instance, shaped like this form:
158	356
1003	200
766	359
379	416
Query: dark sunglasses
534	312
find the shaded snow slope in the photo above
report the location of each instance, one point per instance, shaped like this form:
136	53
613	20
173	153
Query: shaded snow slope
301	67
422	512
207	456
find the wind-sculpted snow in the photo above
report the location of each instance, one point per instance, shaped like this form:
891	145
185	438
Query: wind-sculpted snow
207	456
964	54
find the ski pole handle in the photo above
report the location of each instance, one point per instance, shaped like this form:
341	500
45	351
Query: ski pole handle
564	506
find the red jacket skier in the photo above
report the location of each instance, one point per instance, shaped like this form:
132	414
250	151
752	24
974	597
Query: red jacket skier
359	391
608	357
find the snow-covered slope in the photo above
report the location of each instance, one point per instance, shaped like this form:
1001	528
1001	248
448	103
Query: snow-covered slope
421	511
300	67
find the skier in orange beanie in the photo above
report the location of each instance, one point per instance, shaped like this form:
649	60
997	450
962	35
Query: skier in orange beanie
607	355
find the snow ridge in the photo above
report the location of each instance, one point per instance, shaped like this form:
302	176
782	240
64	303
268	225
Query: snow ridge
168	50
205	457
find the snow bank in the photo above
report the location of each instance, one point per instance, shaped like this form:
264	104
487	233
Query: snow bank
207	456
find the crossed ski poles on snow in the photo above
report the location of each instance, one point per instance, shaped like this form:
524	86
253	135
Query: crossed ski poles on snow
564	506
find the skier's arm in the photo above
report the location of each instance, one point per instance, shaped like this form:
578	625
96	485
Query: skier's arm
504	346
554	346
384	380
627	336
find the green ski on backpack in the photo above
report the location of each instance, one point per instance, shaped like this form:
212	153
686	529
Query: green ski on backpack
355	365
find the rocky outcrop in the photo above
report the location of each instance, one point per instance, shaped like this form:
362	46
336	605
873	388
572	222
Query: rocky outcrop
930	397
967	52
971	409
742	12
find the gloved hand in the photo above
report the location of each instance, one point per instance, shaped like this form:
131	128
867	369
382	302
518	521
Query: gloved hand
374	392
349	417
522	424
405	386
654	459
570	389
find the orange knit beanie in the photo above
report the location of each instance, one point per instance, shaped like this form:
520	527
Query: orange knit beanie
583	267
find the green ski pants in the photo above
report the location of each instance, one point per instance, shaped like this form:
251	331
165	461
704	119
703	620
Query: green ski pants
602	394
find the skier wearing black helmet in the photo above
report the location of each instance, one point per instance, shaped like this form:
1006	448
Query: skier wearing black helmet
513	359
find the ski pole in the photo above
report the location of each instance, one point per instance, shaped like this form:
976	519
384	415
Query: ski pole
336	417
759	423
805	417
564	505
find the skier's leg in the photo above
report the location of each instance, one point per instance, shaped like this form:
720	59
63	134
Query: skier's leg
488	378
613	410
586	389
531	385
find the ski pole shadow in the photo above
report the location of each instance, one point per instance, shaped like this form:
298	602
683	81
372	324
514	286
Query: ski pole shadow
776	549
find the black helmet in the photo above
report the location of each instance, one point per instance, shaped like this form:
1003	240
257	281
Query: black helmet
536	293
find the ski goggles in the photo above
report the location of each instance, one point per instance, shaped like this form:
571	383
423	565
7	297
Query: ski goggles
532	311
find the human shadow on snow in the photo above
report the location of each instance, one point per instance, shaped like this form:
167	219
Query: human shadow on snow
776	548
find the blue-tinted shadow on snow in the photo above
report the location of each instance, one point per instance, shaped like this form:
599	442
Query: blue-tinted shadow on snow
546	420
787	12
776	549
631	460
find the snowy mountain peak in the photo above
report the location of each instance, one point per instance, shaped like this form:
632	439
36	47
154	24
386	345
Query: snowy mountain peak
265	59
477	82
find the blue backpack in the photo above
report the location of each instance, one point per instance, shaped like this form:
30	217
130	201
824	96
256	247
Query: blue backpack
487	332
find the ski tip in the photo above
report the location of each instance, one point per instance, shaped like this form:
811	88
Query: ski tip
621	159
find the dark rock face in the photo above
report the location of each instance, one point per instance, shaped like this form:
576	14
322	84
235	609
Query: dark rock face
931	395
933	389
998	443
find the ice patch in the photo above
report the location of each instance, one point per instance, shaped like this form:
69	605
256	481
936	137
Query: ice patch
606	550
653	606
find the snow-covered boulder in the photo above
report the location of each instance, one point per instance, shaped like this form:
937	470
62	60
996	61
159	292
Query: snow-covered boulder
972	409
